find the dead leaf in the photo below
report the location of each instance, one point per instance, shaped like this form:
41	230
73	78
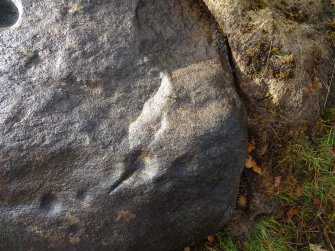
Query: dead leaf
251	146
277	181
317	204
210	238
187	249
251	164
316	247
293	212
257	169
242	201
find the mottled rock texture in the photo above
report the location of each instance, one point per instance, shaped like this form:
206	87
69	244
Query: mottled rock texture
284	57
120	125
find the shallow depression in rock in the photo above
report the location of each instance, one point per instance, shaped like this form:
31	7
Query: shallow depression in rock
9	13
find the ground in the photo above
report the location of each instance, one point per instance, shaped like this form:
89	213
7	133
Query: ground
290	205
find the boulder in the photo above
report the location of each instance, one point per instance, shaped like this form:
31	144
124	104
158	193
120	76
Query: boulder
121	128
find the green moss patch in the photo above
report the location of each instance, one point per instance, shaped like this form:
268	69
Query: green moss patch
257	5
269	61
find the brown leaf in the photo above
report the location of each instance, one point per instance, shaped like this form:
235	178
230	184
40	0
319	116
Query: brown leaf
293	212
242	201
251	164
317	204
187	249
251	146
210	238
257	169
277	181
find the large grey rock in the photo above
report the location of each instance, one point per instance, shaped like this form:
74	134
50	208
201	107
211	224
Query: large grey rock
120	126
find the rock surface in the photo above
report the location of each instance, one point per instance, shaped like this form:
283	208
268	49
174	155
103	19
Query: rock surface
120	126
284	56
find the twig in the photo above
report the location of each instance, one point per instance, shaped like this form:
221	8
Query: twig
328	87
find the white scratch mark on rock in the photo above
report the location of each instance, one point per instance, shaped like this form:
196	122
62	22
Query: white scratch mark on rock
162	129
151	170
151	122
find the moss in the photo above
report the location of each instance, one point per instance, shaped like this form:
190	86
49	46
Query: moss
332	11
283	2
329	32
330	26
247	27
282	66
257	5
269	60
295	14
275	51
257	57
330	35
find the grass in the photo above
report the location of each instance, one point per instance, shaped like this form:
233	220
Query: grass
306	217
226	242
267	235
310	170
